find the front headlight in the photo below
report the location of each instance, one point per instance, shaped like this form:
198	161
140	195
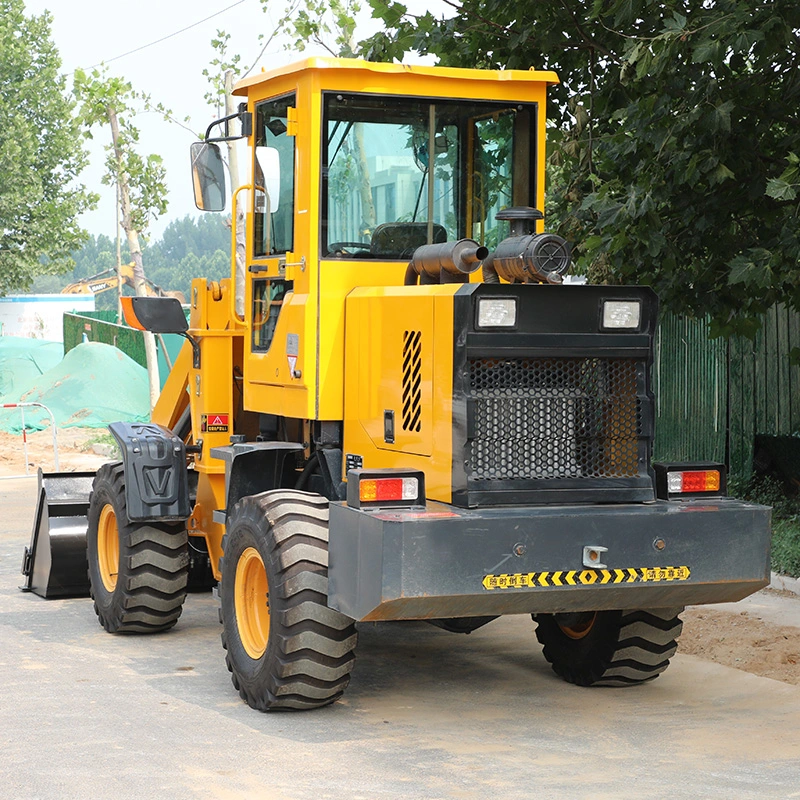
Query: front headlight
497	312
625	314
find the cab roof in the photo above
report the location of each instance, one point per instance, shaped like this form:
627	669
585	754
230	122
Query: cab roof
354	64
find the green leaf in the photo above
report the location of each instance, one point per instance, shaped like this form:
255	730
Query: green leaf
723	112
722	173
707	50
779	189
752	269
592	243
675	24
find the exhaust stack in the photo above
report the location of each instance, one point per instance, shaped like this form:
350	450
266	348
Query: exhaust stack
448	262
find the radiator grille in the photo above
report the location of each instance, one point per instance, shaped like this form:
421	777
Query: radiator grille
412	381
566	418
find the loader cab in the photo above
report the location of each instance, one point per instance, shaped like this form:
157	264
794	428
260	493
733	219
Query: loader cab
354	165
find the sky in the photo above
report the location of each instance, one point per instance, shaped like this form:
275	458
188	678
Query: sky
88	32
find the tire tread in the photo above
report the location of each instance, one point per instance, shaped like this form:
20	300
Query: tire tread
152	587
635	648
313	647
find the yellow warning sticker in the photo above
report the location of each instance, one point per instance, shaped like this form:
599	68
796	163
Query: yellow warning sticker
585	577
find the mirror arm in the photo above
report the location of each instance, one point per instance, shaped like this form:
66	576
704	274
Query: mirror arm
243	115
195	349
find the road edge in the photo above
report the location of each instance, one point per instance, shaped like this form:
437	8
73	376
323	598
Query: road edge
784	583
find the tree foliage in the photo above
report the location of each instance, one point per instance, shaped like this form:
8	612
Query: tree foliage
222	63
111	101
674	156
140	181
330	24
189	248
41	154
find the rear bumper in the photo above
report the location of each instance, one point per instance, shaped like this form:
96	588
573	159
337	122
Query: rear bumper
445	561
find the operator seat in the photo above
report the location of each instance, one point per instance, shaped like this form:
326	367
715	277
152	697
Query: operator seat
401	239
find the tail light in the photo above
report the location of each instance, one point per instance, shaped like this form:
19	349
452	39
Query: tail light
674	481
385	488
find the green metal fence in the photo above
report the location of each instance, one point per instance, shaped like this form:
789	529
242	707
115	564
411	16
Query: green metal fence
690	384
714	397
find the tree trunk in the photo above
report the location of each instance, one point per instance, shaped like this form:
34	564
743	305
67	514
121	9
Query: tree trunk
132	236
119	267
365	184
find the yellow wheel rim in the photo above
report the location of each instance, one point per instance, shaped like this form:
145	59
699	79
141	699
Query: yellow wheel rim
251	596
108	547
579	629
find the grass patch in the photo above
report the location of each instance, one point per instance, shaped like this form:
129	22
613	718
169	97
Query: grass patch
786	547
102	437
770	491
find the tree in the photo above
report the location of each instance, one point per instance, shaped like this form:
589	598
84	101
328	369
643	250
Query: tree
675	151
41	154
323	20
139	181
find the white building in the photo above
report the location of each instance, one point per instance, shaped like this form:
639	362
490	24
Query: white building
39	316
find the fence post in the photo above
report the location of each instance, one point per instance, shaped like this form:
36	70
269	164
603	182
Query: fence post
22	407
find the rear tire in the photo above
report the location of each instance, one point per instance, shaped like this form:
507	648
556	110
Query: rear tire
285	650
137	571
610	648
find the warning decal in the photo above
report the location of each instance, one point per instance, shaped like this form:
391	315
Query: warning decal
585	577
214	423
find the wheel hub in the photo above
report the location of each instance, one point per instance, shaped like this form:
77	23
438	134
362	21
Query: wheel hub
576	626
251	597
108	547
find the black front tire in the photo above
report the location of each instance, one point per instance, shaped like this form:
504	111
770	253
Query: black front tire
610	648
137	571
287	650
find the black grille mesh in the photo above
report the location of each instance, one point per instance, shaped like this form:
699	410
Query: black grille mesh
566	418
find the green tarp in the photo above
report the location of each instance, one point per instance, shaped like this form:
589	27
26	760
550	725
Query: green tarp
93	385
23	360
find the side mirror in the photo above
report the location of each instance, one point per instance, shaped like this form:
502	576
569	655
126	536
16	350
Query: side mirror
269	162
159	315
208	177
154	314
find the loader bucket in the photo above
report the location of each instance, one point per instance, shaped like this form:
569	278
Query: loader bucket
55	563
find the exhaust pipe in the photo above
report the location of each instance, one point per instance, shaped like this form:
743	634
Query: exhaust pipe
448	262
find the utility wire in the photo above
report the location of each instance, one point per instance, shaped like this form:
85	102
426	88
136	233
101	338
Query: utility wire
170	35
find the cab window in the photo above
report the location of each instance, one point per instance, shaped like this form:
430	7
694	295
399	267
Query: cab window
400	172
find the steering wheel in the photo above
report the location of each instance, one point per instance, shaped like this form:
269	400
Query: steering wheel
343	247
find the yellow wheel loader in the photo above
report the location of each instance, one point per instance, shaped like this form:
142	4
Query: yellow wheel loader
405	411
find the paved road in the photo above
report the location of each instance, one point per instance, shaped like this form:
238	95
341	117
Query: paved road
428	715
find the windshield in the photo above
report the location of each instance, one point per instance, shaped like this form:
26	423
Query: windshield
401	172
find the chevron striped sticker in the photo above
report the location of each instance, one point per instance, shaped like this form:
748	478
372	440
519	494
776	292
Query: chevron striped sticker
585	577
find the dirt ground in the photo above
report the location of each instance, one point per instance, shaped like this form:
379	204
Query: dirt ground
743	641
74	451
740	640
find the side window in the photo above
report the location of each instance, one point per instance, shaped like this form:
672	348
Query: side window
273	178
267	300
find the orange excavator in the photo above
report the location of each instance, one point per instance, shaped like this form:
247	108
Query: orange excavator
110	279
